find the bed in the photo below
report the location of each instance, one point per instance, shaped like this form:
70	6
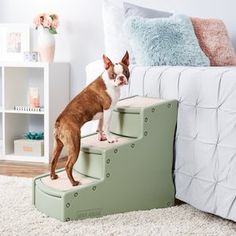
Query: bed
205	141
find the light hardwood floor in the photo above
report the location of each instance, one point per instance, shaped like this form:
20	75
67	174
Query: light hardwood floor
26	169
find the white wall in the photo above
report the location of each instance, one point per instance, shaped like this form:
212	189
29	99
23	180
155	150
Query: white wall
80	36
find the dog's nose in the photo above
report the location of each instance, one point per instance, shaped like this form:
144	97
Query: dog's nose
122	78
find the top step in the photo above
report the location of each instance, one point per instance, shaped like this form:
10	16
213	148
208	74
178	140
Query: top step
136	103
127	117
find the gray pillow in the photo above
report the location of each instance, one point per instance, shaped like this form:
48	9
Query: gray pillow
164	41
134	10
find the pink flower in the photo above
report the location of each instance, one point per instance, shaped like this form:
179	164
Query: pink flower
55	21
54	16
46	20
38	20
55	24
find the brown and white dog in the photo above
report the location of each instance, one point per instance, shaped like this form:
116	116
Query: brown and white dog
96	101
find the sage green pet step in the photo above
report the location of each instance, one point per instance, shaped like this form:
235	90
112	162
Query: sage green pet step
134	173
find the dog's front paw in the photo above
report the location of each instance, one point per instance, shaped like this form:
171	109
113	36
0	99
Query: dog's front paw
102	137
54	176
76	183
112	139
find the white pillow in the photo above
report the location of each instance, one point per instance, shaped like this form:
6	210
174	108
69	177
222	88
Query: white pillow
116	41
135	10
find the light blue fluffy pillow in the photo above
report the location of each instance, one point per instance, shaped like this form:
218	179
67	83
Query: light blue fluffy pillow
164	41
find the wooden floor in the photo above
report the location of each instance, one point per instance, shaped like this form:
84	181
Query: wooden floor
26	169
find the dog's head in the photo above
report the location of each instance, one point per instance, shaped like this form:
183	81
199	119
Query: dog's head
118	73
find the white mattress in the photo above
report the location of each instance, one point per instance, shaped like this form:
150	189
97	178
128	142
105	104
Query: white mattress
205	144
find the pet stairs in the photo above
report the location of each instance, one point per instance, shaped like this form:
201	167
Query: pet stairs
134	173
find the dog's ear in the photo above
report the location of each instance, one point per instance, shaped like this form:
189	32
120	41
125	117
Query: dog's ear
107	62
125	59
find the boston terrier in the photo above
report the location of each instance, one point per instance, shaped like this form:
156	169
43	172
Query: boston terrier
96	101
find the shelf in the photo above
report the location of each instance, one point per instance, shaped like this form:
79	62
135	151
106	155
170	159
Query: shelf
17	94
11	111
16	79
17	124
12	157
27	64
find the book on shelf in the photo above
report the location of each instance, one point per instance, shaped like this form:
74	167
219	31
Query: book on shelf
28	108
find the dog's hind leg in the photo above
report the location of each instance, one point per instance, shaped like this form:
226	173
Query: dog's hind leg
58	145
73	147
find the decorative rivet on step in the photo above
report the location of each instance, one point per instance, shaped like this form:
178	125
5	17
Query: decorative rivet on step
145	133
153	109
108	175
67	205
168	204
116	150
94	188
168	105
75	194
132	145
146	119
68	219
108	161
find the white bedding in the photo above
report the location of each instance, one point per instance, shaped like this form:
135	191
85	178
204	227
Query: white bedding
205	144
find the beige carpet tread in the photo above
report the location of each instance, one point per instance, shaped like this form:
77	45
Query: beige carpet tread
63	183
93	142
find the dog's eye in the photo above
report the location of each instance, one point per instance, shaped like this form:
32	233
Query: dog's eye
113	75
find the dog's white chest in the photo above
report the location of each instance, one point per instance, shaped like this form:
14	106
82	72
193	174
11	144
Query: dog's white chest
113	91
114	94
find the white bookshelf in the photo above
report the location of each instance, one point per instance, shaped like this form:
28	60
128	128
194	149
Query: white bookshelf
52	80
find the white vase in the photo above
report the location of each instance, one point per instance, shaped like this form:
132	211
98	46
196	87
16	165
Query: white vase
46	45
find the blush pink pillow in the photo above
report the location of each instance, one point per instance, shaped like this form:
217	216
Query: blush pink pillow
214	41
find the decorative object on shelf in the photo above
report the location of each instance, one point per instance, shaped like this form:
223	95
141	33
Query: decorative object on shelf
31	56
47	25
28	147
15	39
28	108
34	135
34	97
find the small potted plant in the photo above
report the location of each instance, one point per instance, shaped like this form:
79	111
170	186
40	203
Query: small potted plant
47	25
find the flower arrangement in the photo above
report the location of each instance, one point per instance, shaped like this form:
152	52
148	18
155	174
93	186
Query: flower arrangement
49	21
